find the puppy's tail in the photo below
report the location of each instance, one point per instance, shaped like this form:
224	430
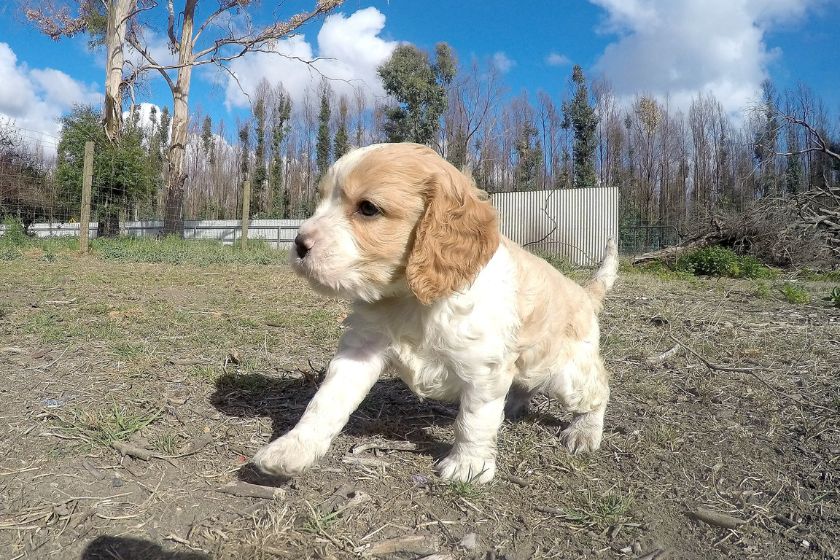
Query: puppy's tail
604	279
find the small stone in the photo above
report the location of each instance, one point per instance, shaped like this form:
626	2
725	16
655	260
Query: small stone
116	482
469	542
805	544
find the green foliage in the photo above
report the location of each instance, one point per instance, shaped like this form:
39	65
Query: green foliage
580	115
341	143
530	159
419	86
13	233
122	173
260	170
762	290
794	293
834	297
720	261
322	146
279	131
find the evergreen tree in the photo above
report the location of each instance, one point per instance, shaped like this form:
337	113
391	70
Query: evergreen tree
207	139
260	172
245	156
322	147
341	143
580	116
280	128
529	158
794	171
419	88
766	138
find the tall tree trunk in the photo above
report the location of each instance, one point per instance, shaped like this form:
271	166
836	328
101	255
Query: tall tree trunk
174	221
118	12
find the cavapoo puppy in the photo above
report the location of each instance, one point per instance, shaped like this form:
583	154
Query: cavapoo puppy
462	313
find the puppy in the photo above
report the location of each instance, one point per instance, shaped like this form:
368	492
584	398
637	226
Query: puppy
462	313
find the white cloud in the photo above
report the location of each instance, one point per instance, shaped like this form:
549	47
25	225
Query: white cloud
34	99
503	62
557	59
349	49
683	48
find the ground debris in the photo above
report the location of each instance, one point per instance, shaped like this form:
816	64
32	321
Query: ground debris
132	450
716	518
248	490
384	446
414	544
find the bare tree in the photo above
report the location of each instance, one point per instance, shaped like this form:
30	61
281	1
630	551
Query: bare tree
222	45
58	21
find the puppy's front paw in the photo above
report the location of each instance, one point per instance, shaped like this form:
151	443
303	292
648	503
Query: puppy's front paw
581	437
467	468
287	455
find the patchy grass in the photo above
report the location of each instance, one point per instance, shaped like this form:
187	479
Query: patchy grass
794	293
756	440
104	427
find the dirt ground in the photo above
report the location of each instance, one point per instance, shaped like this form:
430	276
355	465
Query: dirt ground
200	365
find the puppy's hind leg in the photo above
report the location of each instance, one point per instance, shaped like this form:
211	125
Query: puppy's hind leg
584	391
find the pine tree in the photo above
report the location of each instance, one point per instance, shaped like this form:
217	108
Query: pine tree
322	147
581	117
529	155
766	139
280	128
245	145
341	143
260	172
207	139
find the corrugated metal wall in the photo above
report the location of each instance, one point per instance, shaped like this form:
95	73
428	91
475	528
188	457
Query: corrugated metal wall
572	223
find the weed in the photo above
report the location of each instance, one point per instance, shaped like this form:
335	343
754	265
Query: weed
167	444
599	512
319	523
762	290
105	428
465	489
834	297
794	293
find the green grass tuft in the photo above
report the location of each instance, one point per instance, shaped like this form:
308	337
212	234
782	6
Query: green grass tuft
794	294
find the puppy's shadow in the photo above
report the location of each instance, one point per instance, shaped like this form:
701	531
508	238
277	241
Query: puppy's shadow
390	411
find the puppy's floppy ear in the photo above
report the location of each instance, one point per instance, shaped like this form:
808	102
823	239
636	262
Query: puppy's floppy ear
455	238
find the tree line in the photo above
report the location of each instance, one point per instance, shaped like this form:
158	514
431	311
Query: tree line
673	165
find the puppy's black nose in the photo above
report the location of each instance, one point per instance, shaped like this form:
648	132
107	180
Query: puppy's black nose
301	246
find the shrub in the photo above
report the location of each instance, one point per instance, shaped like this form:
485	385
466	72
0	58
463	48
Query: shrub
13	233
720	261
794	293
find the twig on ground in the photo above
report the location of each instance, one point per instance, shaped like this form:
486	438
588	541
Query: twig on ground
385	446
750	371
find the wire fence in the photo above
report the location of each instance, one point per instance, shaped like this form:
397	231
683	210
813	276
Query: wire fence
46	199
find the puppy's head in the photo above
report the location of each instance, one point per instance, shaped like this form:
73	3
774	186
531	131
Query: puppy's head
394	219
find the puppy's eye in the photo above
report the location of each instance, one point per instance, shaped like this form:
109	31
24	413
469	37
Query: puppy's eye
368	208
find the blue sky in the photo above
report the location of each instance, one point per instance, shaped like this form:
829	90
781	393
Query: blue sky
661	47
